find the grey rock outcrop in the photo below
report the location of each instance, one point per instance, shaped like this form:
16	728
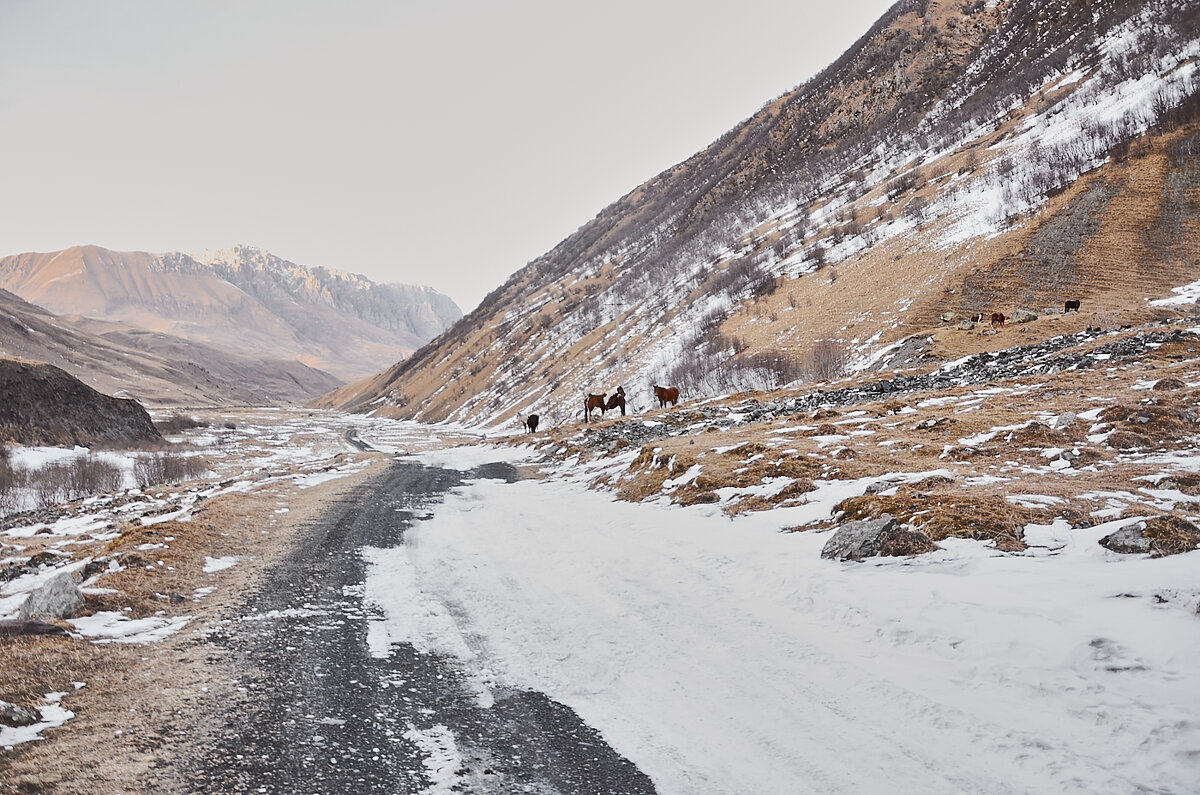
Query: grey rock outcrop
15	715
60	597
1127	540
860	539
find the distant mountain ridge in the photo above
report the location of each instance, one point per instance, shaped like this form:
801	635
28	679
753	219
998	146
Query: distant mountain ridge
403	308
242	299
154	368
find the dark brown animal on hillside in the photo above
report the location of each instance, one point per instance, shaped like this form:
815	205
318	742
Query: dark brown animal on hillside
977	317
1071	306
998	319
590	404
617	401
531	423
666	395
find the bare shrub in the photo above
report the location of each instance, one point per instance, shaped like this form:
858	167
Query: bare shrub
165	467
73	479
178	423
10	481
826	361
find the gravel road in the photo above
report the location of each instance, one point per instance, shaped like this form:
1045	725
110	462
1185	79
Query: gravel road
315	712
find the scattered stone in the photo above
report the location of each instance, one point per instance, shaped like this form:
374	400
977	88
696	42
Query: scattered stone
60	597
860	539
14	715
1064	420
947	317
966	325
1023	316
1127	540
1168	384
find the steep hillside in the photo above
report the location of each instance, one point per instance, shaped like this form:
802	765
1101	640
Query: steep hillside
959	158
156	369
43	405
245	301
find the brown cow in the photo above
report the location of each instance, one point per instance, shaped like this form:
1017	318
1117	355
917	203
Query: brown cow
998	319
1071	306
666	395
617	401
590	403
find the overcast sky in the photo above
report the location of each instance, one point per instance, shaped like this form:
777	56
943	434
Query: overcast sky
442	143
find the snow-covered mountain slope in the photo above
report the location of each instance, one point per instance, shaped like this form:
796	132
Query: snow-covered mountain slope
986	157
244	300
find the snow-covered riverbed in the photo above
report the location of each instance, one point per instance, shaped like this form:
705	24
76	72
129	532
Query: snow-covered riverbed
722	656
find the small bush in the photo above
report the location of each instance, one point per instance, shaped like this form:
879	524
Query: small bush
73	479
826	361
178	423
166	468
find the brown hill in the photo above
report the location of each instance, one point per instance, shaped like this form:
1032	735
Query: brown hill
156	369
244	301
42	405
957	159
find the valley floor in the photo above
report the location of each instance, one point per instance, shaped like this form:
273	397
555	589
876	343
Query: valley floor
661	576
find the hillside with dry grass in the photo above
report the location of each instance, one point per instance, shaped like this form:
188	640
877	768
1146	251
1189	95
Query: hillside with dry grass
154	368
959	159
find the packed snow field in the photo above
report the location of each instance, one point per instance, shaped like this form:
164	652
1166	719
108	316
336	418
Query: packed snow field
721	655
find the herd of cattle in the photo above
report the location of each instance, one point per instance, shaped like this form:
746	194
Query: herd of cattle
665	395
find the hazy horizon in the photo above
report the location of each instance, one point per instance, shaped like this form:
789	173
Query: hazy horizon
443	144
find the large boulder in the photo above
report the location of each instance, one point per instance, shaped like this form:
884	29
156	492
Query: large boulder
860	539
1128	540
60	597
16	715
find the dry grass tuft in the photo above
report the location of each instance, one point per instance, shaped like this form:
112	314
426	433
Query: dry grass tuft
906	543
1171	535
164	566
1166	424
941	516
40	664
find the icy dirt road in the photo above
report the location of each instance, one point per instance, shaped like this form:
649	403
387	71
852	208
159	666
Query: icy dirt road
326	711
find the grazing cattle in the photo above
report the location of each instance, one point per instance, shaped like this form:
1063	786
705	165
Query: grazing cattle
531	423
977	317
591	403
998	319
666	395
1071	306
617	401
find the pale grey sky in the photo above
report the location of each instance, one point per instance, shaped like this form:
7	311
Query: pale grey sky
442	143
